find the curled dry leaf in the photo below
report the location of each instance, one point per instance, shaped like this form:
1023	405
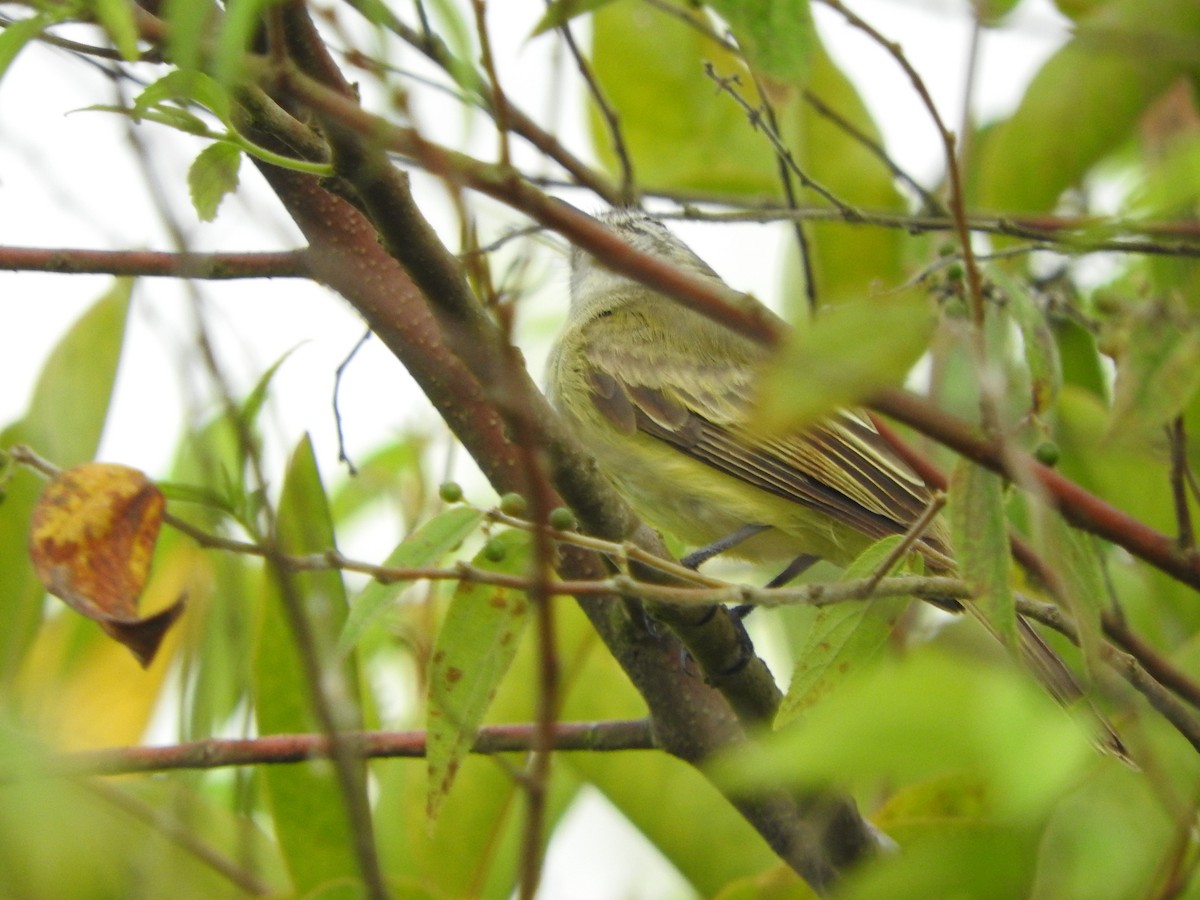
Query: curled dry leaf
91	541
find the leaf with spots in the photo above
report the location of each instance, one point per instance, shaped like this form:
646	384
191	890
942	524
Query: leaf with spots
474	648
91	540
842	637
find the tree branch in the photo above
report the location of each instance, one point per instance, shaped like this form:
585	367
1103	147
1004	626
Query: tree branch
217	753
149	263
691	720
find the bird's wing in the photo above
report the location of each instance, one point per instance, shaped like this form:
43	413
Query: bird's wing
697	398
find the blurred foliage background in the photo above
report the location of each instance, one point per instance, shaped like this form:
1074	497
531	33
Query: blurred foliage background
1082	208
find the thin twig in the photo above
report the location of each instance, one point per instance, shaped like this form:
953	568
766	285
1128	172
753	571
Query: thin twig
1177	437
181	834
789	192
337	413
729	85
930	205
216	753
499	101
612	119
911	536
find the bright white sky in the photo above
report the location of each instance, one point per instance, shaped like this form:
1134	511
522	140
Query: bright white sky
67	181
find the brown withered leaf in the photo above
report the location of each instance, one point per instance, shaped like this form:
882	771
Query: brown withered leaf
91	540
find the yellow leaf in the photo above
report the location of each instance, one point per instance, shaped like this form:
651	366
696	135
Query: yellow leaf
91	540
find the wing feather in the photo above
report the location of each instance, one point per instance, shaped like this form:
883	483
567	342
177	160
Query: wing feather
698	399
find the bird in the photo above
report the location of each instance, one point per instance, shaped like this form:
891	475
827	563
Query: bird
663	397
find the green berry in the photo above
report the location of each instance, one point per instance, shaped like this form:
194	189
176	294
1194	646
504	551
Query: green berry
495	549
513	505
451	491
1046	453
561	519
954	272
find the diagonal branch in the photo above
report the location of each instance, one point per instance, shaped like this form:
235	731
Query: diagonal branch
452	349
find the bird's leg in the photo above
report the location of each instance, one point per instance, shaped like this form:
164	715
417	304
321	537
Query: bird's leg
697	557
794	569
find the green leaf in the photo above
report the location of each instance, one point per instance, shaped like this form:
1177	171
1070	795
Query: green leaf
309	813
18	33
919	717
78	376
777	37
651	66
189	27
979	535
212	175
1086	101
185	87
842	637
1085	594
1082	365
117	18
678	810
1041	351
473	847
392	471
850	351
241	23
840	160
426	546
561	12
475	646
990	12
981	860
1157	373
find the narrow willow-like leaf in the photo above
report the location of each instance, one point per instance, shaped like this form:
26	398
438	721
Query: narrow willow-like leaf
842	638
475	646
426	546
185	88
472	849
979	534
308	809
78	376
117	18
17	34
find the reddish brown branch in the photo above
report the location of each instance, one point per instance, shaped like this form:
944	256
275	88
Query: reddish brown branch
1079	507
150	263
216	753
692	721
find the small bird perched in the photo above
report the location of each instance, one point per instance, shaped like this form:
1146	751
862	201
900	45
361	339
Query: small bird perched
662	396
